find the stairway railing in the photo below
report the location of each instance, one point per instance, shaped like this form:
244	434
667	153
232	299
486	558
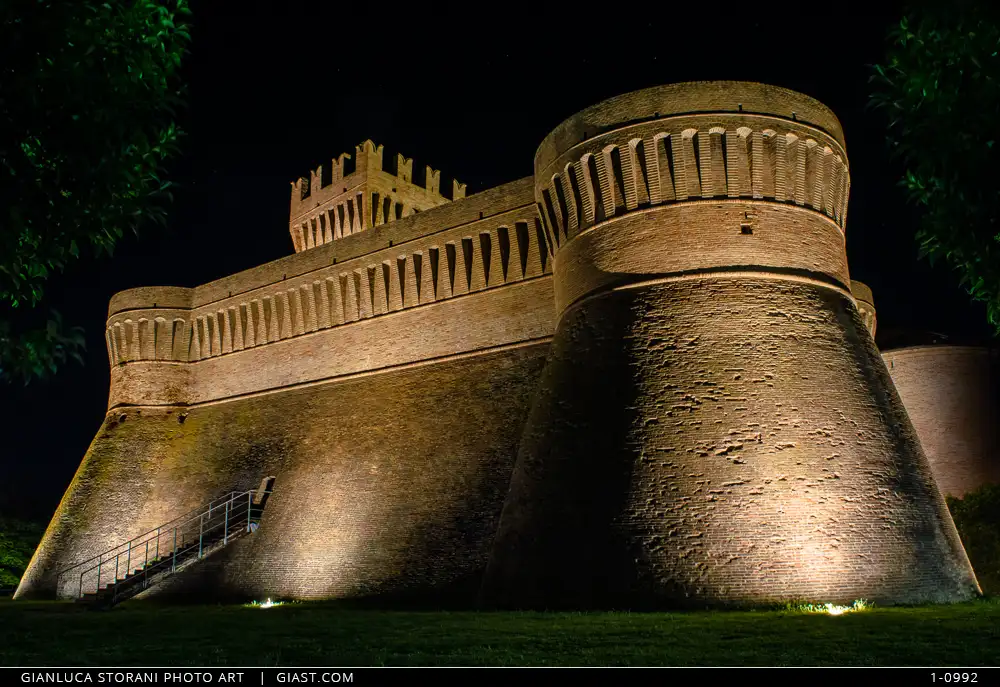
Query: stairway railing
167	546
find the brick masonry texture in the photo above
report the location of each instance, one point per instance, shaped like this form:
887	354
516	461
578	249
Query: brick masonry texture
950	394
384	484
683	453
641	378
365	198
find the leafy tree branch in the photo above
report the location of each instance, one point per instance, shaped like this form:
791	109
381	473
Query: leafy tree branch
939	87
88	97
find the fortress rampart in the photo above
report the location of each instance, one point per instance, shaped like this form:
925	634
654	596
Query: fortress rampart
382	378
642	378
950	394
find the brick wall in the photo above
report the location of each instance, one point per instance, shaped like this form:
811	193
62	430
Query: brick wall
730	441
713	423
950	394
387	484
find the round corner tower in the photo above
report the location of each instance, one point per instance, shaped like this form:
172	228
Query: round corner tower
714	424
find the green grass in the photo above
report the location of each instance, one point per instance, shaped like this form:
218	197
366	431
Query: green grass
134	634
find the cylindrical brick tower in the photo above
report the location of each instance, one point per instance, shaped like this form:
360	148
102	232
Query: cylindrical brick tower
951	396
866	305
714	424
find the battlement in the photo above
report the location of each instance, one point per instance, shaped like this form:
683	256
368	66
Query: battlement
358	192
682	99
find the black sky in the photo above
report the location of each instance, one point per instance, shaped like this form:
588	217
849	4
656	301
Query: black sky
277	88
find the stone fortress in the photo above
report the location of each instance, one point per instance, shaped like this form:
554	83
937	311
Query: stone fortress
640	378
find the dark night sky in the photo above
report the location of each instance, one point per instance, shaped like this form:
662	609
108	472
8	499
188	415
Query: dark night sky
274	91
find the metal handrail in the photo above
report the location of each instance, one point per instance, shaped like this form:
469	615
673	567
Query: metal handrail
199	517
166	525
170	560
230	508
172	556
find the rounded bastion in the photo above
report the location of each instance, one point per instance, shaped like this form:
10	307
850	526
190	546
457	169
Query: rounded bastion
714	424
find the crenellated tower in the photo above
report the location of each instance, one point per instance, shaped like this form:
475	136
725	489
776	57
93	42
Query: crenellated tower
353	194
714	424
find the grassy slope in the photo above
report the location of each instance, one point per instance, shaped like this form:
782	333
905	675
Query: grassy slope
40	634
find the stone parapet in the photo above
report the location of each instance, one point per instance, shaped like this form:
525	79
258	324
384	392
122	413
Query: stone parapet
496	241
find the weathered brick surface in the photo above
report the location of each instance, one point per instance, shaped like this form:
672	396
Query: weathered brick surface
950	394
390	483
465	281
866	305
682	452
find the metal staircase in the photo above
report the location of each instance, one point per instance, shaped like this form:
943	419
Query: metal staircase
132	567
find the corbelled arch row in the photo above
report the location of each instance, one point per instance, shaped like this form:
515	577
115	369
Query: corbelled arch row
147	338
453	265
326	367
610	178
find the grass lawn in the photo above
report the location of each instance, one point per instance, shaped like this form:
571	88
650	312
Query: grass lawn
328	634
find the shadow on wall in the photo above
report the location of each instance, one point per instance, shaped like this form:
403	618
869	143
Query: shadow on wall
564	538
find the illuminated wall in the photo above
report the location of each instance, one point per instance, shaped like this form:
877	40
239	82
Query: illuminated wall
384	386
647	357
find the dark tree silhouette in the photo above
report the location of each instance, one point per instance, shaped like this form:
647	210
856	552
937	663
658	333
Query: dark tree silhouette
88	93
940	88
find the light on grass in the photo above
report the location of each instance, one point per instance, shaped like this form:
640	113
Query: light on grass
265	604
834	609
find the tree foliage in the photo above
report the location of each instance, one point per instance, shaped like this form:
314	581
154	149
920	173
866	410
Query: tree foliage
940	89
977	517
18	539
88	93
